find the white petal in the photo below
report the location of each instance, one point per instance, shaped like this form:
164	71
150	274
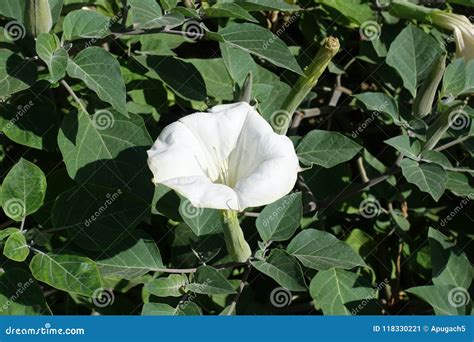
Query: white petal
265	163
202	193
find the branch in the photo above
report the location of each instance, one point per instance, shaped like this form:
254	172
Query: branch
73	94
194	269
239	291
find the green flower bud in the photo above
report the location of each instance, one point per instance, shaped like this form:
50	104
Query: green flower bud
38	17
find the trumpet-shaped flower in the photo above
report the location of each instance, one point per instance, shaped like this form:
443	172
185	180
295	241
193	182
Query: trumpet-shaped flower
463	31
227	158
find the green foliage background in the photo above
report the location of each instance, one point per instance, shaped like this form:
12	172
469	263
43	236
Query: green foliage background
380	224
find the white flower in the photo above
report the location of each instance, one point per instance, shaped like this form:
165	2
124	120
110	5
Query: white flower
228	158
463	31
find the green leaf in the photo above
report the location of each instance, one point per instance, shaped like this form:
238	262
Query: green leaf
208	280
450	265
16	73
23	190
85	24
430	178
21	295
219	85
459	184
321	250
454	80
238	63
229	10
146	13
340	292
171	286
284	269
186	308
30	120
50	51
100	71
379	103
106	149
202	221
446	300
133	257
412	53
67	272
5	233
13	9
278	221
326	148
259	42
15	247
403	145
182	77
357	11
98	218
267	5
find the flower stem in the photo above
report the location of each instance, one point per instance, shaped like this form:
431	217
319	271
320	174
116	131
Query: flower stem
238	248
305	83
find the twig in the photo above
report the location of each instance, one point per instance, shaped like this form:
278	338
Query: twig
73	94
239	291
194	269
22	225
452	143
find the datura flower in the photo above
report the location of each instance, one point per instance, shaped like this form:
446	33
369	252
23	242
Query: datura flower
463	31
228	158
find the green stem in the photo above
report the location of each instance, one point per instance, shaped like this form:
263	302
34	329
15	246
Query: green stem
238	248
305	83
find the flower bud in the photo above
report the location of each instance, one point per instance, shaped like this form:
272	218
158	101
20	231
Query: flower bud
38	17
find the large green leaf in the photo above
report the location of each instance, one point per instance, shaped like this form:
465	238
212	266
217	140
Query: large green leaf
412	54
100	71
379	103
182	77
278	221
218	82
283	268
50	51
326	148
171	286
147	14
132	258
446	300
357	11
258	41
208	280
202	221
15	247
85	24
238	63
16	73
450	265
107	149
266	5
67	272
23	190
321	250
186	308
13	8
460	184
21	295
30	120
404	145
98	218
430	178
229	10
340	292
